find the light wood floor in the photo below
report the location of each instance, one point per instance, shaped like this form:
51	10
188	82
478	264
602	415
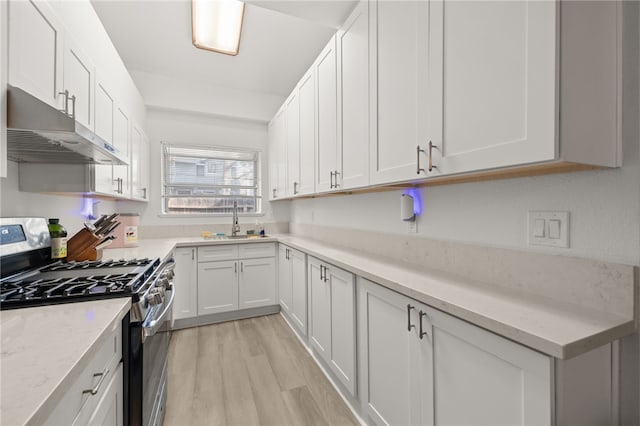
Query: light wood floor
248	372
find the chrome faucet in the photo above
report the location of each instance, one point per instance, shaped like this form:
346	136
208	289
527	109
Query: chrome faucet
235	227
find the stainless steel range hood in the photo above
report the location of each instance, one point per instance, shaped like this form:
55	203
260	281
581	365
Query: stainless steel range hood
39	133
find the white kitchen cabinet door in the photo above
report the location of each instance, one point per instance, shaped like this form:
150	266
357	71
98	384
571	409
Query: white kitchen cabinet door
395	373
35	50
139	165
293	144
109	411
217	287
307	122
104	107
319	309
257	283
121	141
332	319
398	85
79	79
278	155
328	168
298	311
492	99
353	65
185	284
498	382
343	332
284	278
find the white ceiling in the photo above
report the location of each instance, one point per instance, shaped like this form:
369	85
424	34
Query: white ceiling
275	48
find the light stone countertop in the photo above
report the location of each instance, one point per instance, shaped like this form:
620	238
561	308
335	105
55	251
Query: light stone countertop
559	329
45	348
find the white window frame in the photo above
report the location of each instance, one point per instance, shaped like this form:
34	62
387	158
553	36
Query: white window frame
165	184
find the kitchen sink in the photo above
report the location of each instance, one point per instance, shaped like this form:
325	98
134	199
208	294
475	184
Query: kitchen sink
235	237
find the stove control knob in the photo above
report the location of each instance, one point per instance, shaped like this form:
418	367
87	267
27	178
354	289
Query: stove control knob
163	283
154	297
169	274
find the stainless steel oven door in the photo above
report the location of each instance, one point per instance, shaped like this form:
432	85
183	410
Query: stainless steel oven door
155	337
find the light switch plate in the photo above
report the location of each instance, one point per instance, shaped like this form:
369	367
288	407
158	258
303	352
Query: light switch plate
558	238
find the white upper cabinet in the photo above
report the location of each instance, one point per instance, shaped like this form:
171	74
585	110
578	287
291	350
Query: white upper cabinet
307	122
104	112
122	142
292	111
278	155
139	166
328	167
492	69
353	84
35	50
398	83
79	81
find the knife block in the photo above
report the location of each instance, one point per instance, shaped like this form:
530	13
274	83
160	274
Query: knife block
82	246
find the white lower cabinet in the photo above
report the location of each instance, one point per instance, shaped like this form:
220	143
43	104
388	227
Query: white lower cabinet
185	283
498	382
332	331
292	283
232	277
395	362
217	287
95	397
257	282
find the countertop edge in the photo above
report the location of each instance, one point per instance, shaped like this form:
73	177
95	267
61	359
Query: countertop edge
51	401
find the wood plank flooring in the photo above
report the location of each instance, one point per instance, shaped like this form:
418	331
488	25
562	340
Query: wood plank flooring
248	372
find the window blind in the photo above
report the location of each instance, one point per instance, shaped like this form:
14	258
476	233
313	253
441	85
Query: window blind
208	180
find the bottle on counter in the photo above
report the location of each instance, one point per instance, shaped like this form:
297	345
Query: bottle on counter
58	240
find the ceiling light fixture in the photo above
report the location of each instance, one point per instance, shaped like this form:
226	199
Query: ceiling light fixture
216	25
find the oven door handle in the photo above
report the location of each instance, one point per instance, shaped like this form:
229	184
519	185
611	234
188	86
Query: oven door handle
153	326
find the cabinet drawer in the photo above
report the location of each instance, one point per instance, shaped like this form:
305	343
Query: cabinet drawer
95	376
247	251
218	252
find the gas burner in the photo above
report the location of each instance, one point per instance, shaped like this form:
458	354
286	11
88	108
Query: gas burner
91	264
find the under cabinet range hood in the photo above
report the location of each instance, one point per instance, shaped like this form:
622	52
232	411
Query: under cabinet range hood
39	133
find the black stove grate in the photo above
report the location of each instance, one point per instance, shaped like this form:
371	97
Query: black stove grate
94	264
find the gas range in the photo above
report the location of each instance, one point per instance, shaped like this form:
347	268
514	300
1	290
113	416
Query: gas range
28	278
61	282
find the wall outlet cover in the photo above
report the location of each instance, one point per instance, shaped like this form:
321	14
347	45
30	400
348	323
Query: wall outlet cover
412	226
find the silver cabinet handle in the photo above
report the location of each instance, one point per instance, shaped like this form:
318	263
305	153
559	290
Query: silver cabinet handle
295	188
422	333
235	267
431	148
331	179
193	254
335	174
326	278
409	309
66	101
241	266
96	388
144	193
274	193
73	106
321	273
418	168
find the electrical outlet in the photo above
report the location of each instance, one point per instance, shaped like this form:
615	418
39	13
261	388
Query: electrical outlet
412	226
548	228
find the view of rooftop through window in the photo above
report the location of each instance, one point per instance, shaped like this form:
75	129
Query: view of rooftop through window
207	180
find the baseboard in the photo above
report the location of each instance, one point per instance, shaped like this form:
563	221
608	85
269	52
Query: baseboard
224	317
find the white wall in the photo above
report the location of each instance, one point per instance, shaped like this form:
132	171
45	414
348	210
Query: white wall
66	207
199	129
